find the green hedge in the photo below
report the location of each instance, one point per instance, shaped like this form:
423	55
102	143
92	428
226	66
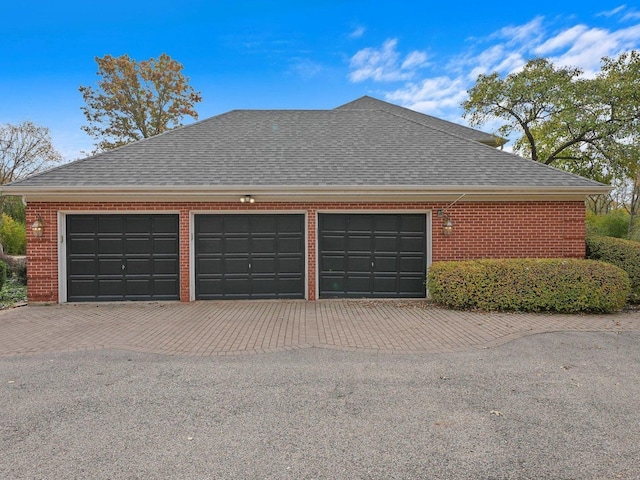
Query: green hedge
621	253
529	285
3	273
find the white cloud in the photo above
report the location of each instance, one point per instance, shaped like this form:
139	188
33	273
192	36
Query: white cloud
562	40
529	32
305	68
611	13
506	51
385	64
632	15
357	32
414	60
433	95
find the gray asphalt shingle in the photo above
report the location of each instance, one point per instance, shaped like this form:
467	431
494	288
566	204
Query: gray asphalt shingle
341	147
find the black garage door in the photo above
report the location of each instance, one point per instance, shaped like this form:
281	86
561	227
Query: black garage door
249	256
122	257
377	255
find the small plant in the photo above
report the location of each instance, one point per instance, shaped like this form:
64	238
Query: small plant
13	291
529	285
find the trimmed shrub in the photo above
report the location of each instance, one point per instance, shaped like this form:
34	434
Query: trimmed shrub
3	274
612	224
529	285
13	236
621	253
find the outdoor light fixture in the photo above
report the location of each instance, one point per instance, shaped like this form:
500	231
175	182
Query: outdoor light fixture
37	227
447	224
247	199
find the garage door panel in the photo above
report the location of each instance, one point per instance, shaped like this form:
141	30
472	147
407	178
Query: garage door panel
110	245
289	224
261	225
83	246
139	266
291	266
359	284
135	246
385	264
385	244
251	254
209	244
386	285
333	243
165	246
412	224
333	262
359	263
359	243
82	266
82	224
411	264
110	266
127	253
292	245
267	265
210	286
110	224
383	255
83	288
361	223
141	225
236	265
332	283
164	288
264	245
112	288
137	286
409	284
208	266
386	223
237	245
165	266
237	225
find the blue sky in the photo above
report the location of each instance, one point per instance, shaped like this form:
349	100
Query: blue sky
293	54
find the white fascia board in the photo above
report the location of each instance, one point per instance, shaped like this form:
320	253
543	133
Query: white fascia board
301	193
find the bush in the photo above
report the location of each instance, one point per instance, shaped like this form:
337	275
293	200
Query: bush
3	274
16	268
621	253
530	285
13	236
612	224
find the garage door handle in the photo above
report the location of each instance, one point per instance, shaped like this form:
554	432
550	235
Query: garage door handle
123	267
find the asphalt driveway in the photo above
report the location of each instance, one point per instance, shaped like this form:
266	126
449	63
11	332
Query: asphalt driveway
560	405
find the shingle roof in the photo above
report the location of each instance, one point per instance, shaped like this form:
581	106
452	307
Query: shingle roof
342	147
370	103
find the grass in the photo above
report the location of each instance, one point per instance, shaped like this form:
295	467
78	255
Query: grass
12	293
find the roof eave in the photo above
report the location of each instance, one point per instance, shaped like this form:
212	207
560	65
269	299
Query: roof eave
338	193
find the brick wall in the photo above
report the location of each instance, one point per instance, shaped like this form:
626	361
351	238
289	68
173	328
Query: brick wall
481	230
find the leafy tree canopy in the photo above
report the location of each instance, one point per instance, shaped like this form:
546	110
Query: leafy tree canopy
135	100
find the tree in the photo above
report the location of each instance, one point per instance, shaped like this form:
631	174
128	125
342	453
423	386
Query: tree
588	126
25	149
135	100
